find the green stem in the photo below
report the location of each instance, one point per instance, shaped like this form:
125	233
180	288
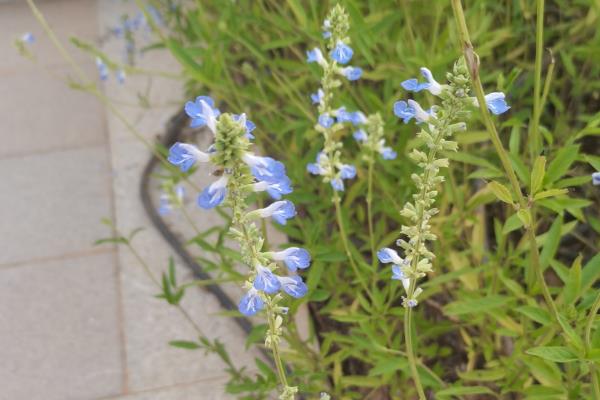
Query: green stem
473	65
340	223
370	212
275	350
412	362
588	344
534	136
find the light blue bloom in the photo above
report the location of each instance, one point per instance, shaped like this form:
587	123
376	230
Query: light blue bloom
249	125
251	303
315	169
388	153
280	211
432	85
496	103
293	257
342	53
266	280
264	168
165	201
121	76
102	69
326	29
420	114
28	38
214	194
399	275
337	184
360	136
358	118
315	55
293	286
203	112
596	178
317	97
412	303
185	155
387	255
325	120
352	73
342	115
347	171
275	189
404	111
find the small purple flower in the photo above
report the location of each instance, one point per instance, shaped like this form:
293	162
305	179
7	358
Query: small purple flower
275	189
293	286
293	257
214	194
280	211
325	121
360	136
317	97
202	111
342	53
266	280
352	73
185	155
404	111
251	303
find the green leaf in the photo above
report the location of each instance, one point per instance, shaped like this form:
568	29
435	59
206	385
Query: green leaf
512	223
462	390
536	314
590	272
537	174
475	305
551	243
500	191
553	353
525	216
550	193
483	375
572	289
561	163
184	344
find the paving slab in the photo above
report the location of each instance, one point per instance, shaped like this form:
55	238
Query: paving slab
59	330
213	389
51	204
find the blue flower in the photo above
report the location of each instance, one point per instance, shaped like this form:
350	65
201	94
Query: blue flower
251	303
412	303
317	97
249	125
165	201
420	114
387	255
358	118
360	135
496	103
326	29
214	194
203	112
342	53
388	153
342	115
293	257
293	286
275	189
315	55
404	111
121	76
399	275
352	73
185	155
102	69
596	178
432	85
28	38
337	184
280	211
266	280
325	120
315	169
264	168
347	171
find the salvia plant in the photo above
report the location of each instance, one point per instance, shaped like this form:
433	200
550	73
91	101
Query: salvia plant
459	261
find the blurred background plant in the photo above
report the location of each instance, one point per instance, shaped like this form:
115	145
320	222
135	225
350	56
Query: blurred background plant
482	328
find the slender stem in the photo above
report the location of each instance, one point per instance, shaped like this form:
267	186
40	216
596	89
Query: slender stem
370	211
473	65
410	352
340	223
275	349
588	344
534	136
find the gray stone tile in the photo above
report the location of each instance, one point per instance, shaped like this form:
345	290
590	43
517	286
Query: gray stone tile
52	204
40	113
66	17
59	330
213	389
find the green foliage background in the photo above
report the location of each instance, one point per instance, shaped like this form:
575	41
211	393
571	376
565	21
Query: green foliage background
483	327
